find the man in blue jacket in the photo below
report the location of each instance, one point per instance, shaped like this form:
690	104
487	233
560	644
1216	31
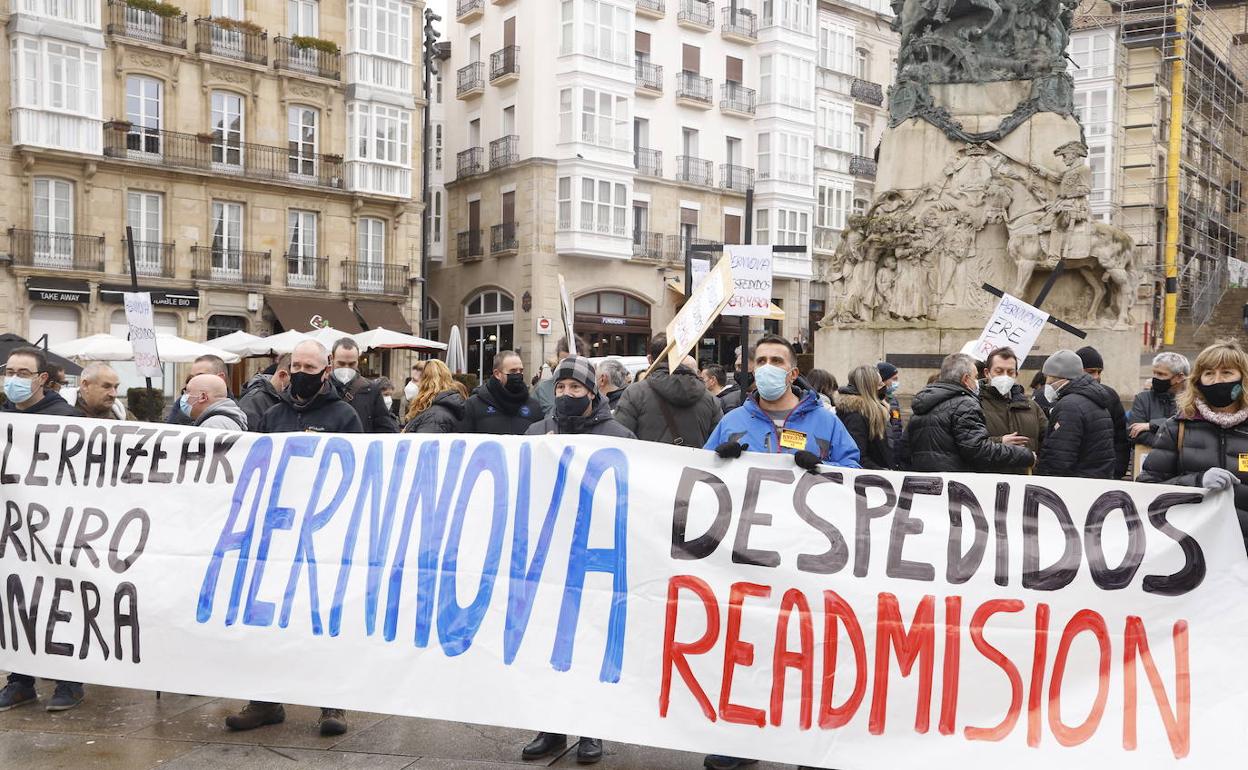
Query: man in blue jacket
780	418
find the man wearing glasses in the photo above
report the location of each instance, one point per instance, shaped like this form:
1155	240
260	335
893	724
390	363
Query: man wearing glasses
26	391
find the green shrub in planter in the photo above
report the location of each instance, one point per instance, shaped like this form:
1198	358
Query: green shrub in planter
146	404
155	6
303	41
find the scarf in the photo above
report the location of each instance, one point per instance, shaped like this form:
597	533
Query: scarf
1221	419
507	401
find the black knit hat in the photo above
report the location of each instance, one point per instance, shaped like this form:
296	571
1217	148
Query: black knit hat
1090	357
580	369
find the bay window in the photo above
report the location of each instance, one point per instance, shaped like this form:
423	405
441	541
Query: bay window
599	28
602	205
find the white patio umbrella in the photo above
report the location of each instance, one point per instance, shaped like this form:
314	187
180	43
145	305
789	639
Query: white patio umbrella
327	336
275	344
456	358
382	337
106	347
234	342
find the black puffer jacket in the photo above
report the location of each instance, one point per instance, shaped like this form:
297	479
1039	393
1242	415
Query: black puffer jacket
646	406
1080	441
1205	446
363	395
493	409
598	422
1154	408
730	398
1122	439
947	433
874	453
324	413
258	397
444	415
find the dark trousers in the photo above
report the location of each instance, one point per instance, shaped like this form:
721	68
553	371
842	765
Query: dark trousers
29	681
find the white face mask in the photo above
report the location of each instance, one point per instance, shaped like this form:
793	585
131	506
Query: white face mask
1003	383
388	401
1050	393
344	374
410	391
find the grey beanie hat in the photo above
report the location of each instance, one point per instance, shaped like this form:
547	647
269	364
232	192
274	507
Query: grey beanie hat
1064	364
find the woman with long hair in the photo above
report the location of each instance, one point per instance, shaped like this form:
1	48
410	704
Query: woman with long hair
865	416
823	383
439	406
1202	445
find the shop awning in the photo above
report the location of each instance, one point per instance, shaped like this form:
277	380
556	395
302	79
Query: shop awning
305	314
678	285
382	314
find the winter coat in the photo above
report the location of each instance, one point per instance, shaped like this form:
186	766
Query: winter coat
492	409
1154	408
224	415
613	398
947	433
51	404
1122	439
896	428
443	415
259	396
325	412
544	393
730	398
1015	414
1037	395
874	453
1080	441
598	422
118	412
1205	446
363	395
825	433
678	398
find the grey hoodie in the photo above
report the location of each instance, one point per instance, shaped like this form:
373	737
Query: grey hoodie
223	415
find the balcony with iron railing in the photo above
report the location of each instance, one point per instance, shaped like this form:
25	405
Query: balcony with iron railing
469	162
470	80
693	90
651	8
234	266
739	25
294	56
677	245
231	39
862	167
152	259
211	152
648	245
867	92
125	20
503	239
736	99
468	246
649	78
469	10
694	170
504	151
735	178
56	251
648	162
307	272
374	278
696	14
505	65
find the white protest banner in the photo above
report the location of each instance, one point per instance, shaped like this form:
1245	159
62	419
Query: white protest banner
565	307
633	591
1015	325
142	333
699	312
701	268
751	275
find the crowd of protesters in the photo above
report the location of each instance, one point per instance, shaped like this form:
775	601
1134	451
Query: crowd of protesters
972	416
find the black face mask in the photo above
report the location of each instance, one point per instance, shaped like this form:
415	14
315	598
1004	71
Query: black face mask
515	383
1160	386
571	406
303	386
1221	394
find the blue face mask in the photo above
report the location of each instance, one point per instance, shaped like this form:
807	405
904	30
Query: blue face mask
184	406
17	389
771	381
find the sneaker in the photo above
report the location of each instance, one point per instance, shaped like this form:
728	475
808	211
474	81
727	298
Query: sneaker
66	696
333	722
16	694
588	751
721	762
256	714
544	745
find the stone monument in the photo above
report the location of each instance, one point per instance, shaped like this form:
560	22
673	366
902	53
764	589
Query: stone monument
982	179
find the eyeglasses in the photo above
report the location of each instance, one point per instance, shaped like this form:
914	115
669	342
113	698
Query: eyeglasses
25	374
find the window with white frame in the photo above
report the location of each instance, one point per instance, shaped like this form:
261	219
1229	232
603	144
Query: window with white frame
301	137
797	15
567	27
862	63
227	128
371	248
69	76
1091	55
303	17
565	203
1098	161
604	118
860	139
1092	108
785	79
602	205
379	133
381	28
301	248
833	124
836	46
436	225
762	228
144	112
144	216
227	239
84	12
229	9
791	227
833	203
437	147
599	28
565	115
54	208
793	157
764	155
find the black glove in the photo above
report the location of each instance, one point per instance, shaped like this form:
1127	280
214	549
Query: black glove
806	460
730	450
